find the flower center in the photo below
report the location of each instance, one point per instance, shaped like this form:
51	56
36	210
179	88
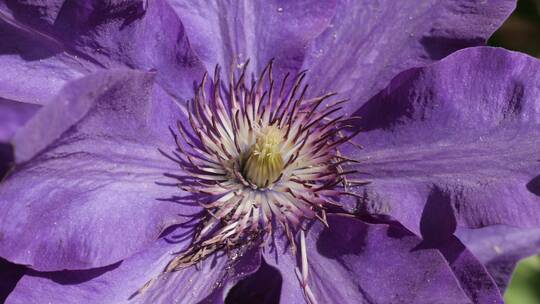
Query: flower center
264	162
259	158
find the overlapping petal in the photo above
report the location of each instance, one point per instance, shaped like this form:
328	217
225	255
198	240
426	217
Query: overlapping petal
90	190
34	66
370	42
500	248
224	31
123	282
455	144
371	263
473	277
13	115
48	43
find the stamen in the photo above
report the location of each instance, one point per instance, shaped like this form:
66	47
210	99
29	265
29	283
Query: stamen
259	157
302	275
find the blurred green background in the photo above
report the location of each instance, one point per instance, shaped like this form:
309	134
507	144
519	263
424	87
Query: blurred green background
521	32
525	285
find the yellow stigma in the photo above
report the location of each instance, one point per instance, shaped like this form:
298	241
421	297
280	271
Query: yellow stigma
264	162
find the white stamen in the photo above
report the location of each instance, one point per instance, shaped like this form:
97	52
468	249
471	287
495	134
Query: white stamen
304	255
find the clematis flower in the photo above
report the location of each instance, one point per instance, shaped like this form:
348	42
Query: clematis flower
132	184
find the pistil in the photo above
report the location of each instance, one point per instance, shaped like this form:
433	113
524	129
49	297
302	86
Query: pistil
264	162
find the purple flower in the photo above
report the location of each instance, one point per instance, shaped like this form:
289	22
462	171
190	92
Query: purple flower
104	206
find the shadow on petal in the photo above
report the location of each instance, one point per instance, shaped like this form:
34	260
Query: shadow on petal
69	16
22	40
438	222
10	274
349	244
6	159
74	277
534	185
263	287
440	47
382	111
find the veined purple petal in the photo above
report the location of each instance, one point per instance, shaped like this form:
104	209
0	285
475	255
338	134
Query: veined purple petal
500	248
472	275
370	42
223	31
455	144
34	64
122	282
353	261
90	191
48	43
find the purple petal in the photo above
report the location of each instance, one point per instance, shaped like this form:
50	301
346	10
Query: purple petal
372	263
46	44
473	277
121	282
455	144
90	191
34	65
500	248
368	43
13	115
259	31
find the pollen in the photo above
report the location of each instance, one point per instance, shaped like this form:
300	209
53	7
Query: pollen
264	161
